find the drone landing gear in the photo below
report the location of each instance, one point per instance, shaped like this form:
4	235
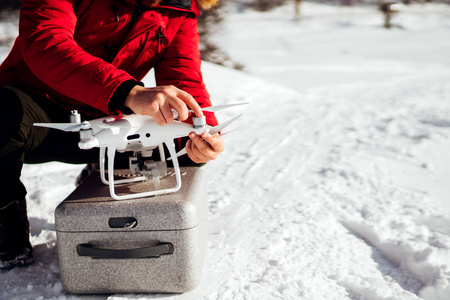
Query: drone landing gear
140	166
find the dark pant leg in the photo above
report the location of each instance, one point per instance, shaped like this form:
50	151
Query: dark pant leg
21	142
11	148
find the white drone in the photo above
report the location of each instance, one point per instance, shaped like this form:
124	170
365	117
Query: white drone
140	134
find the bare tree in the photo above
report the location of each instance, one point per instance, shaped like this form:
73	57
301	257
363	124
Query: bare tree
389	9
266	5
297	8
208	25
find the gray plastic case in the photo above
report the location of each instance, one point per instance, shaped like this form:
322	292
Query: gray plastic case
146	245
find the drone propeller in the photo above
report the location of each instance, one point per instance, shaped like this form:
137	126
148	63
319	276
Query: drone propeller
75	127
218	128
68	127
210	108
232	130
220	107
212	131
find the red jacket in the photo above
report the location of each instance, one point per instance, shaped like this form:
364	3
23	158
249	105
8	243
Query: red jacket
78	52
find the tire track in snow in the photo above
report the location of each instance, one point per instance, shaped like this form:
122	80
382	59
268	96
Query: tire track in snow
260	228
401	233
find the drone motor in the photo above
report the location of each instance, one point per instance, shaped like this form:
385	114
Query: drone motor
86	132
199	122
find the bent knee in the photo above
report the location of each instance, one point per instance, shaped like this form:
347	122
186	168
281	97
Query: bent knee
20	112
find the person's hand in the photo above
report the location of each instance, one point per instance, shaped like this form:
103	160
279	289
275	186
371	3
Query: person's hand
159	101
205	147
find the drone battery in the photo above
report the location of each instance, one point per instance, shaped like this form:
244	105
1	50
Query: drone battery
146	245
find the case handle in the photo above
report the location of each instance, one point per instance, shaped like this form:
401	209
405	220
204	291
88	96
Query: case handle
153	251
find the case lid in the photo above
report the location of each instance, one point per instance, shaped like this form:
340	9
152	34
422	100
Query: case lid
90	207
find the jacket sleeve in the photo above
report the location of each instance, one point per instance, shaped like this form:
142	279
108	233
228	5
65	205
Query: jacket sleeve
47	30
180	66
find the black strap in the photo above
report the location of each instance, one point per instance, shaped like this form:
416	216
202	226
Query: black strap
153	251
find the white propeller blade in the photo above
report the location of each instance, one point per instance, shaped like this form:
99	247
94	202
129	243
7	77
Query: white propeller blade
220	107
69	127
74	127
210	108
223	133
218	128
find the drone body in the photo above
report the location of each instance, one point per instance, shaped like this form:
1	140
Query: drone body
132	133
141	135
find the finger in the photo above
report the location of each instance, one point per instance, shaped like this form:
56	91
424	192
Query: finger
167	114
202	149
159	118
202	157
181	109
191	154
199	142
214	141
190	102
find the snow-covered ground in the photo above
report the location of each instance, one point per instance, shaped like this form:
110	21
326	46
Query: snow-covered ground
337	185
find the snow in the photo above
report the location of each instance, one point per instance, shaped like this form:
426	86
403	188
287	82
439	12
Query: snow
336	187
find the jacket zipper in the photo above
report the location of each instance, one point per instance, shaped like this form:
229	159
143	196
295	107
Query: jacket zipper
159	34
130	25
160	38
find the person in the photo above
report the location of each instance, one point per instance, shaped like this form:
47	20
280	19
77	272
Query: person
90	55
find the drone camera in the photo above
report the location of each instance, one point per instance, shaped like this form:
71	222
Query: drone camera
154	168
139	165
